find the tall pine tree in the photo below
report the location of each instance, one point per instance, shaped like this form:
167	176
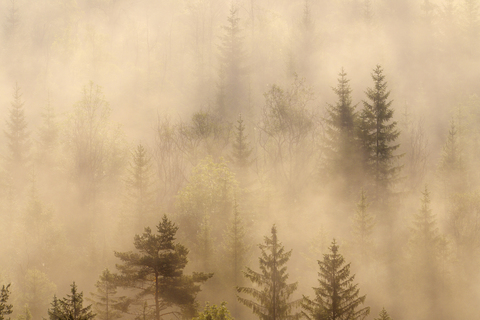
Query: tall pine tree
378	134
341	143
337	297
271	292
70	307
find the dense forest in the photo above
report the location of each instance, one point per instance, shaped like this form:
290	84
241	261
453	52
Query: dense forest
244	159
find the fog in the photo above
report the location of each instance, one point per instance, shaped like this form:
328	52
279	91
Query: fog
221	114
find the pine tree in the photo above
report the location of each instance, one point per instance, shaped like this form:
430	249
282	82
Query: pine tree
105	304
383	315
157	270
271	299
71	307
378	134
5	308
342	147
241	148
140	193
337	298
363	224
48	134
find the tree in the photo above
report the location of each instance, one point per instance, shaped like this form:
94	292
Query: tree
37	291
215	313
383	315
337	298
204	206
232	88
105	304
241	149
5	308
70	307
341	144
156	269
363	224
18	141
140	192
48	135
378	134
271	292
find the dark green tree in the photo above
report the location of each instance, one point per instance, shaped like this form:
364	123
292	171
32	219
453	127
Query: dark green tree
156	270
5	308
383	315
271	294
241	149
378	134
342	151
337	297
106	305
70	307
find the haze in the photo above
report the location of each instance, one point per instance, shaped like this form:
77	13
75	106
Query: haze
215	113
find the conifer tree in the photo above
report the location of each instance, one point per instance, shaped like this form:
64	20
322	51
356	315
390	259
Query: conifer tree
271	293
105	303
337	297
70	307
215	313
17	134
241	148
342	147
140	193
48	134
5	308
383	315
232	87
363	224
156	270
378	134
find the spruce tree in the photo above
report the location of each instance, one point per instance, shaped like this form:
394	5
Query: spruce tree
383	315
232	87
17	134
156	270
241	148
342	147
105	303
337	297
378	134
363	224
140	192
271	293
70	307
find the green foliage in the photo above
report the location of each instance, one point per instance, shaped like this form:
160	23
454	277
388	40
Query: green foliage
271	292
105	304
70	307
337	297
378	133
215	313
5	308
205	203
156	270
